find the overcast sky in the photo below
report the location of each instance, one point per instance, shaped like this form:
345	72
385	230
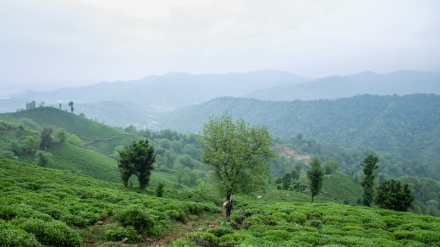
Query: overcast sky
48	44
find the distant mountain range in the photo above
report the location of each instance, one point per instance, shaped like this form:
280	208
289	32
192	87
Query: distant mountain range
334	87
139	102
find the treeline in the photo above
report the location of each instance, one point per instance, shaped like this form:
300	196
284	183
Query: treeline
406	126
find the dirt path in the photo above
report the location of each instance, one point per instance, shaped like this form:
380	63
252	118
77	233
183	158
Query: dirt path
181	230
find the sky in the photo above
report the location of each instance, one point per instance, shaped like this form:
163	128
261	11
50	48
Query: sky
49	44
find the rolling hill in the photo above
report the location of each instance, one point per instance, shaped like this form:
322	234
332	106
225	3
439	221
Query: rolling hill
406	126
46	207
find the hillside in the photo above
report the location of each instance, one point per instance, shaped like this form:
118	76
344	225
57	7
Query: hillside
178	156
45	207
405	126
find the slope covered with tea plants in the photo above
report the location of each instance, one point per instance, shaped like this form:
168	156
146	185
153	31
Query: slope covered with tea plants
47	207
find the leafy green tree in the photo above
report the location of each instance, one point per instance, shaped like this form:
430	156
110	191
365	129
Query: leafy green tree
391	195
315	175
46	138
287	180
295	175
237	153
368	181
331	166
43	158
137	159
60	135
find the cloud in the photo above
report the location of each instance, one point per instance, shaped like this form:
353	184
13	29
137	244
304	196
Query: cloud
82	41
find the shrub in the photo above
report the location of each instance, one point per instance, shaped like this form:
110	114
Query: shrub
220	231
182	243
120	233
160	189
8	212
255	219
297	217
230	240
277	235
175	212
14	236
52	233
315	223
136	217
204	239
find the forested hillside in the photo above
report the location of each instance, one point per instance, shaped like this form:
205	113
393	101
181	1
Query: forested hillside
89	203
406	126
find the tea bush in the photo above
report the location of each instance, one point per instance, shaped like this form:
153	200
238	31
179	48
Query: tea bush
204	239
9	212
182	243
121	233
175	212
52	233
13	236
137	217
220	231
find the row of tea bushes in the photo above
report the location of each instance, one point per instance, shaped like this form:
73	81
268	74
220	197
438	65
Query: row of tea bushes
256	222
49	207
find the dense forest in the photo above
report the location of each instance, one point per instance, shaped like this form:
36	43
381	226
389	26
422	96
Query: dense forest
404	126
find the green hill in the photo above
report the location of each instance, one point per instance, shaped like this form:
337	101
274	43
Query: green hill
47	207
408	127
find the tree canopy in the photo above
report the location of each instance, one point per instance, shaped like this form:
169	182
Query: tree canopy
315	175
391	195
237	153
137	159
368	182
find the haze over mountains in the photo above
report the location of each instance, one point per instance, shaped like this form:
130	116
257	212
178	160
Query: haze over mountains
138	102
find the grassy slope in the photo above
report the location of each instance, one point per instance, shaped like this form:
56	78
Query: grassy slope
86	129
81	161
278	218
30	193
97	136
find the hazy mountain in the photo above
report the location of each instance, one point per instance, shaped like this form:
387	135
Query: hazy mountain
334	87
139	102
407	126
170	90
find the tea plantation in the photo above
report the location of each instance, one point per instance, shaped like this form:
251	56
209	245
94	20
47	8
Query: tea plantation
47	207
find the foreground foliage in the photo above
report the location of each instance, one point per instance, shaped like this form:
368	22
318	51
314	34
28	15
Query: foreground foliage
265	222
46	207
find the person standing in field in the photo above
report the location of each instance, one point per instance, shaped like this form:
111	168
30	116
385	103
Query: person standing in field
228	206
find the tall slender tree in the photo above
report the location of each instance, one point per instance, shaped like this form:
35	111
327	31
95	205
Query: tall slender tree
368	181
315	175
